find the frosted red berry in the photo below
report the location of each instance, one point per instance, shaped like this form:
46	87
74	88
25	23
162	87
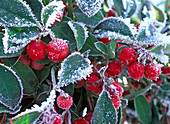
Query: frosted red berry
136	71
91	83
110	13
115	68
115	90
88	117
98	90
116	102
25	60
80	121
105	40
36	66
58	120
158	81
152	71
64	101
36	50
57	50
127	56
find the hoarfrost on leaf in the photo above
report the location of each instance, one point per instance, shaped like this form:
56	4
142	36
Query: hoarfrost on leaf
90	7
74	68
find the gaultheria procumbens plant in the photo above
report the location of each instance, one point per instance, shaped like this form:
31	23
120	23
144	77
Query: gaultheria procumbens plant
84	62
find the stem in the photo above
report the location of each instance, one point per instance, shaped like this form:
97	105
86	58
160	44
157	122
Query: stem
70	8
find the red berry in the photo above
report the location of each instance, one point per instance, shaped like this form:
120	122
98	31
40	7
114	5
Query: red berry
105	40
115	68
80	121
116	102
91	83
64	102
80	83
36	66
127	56
59	16
120	45
115	90
136	71
58	120
137	26
158	81
88	117
97	67
25	60
98	90
111	13
125	93
57	50
148	98
165	70
36	50
152	71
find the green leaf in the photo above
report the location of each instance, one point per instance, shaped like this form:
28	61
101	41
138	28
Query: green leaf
46	2
101	47
119	7
29	118
62	30
92	21
135	21
155	116
111	48
90	7
46	60
17	38
8	55
80	33
36	7
15	13
10	61
104	112
69	89
49	12
90	45
73	115
10	88
27	76
74	68
131	8
143	109
5	109
115	28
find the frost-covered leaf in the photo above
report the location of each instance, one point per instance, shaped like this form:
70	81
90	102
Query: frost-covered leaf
90	7
104	112
49	12
74	68
10	88
111	48
148	34
29	118
161	57
63	30
115	28
5	109
80	33
16	13
36	7
131	8
17	38
143	109
90	45
101	47
119	7
167	50
30	83
92	21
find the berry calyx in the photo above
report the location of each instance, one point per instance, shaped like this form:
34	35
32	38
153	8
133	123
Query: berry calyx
57	50
115	90
36	66
115	68
25	60
105	40
58	120
152	71
80	121
36	50
64	101
136	71
127	56
110	13
116	102
91	83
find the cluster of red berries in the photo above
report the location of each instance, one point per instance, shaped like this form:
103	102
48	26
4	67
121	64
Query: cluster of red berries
57	50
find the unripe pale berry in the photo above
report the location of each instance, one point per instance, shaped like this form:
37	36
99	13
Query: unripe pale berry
25	60
57	50
91	83
115	68
80	121
36	50
136	71
127	56
152	71
64	102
